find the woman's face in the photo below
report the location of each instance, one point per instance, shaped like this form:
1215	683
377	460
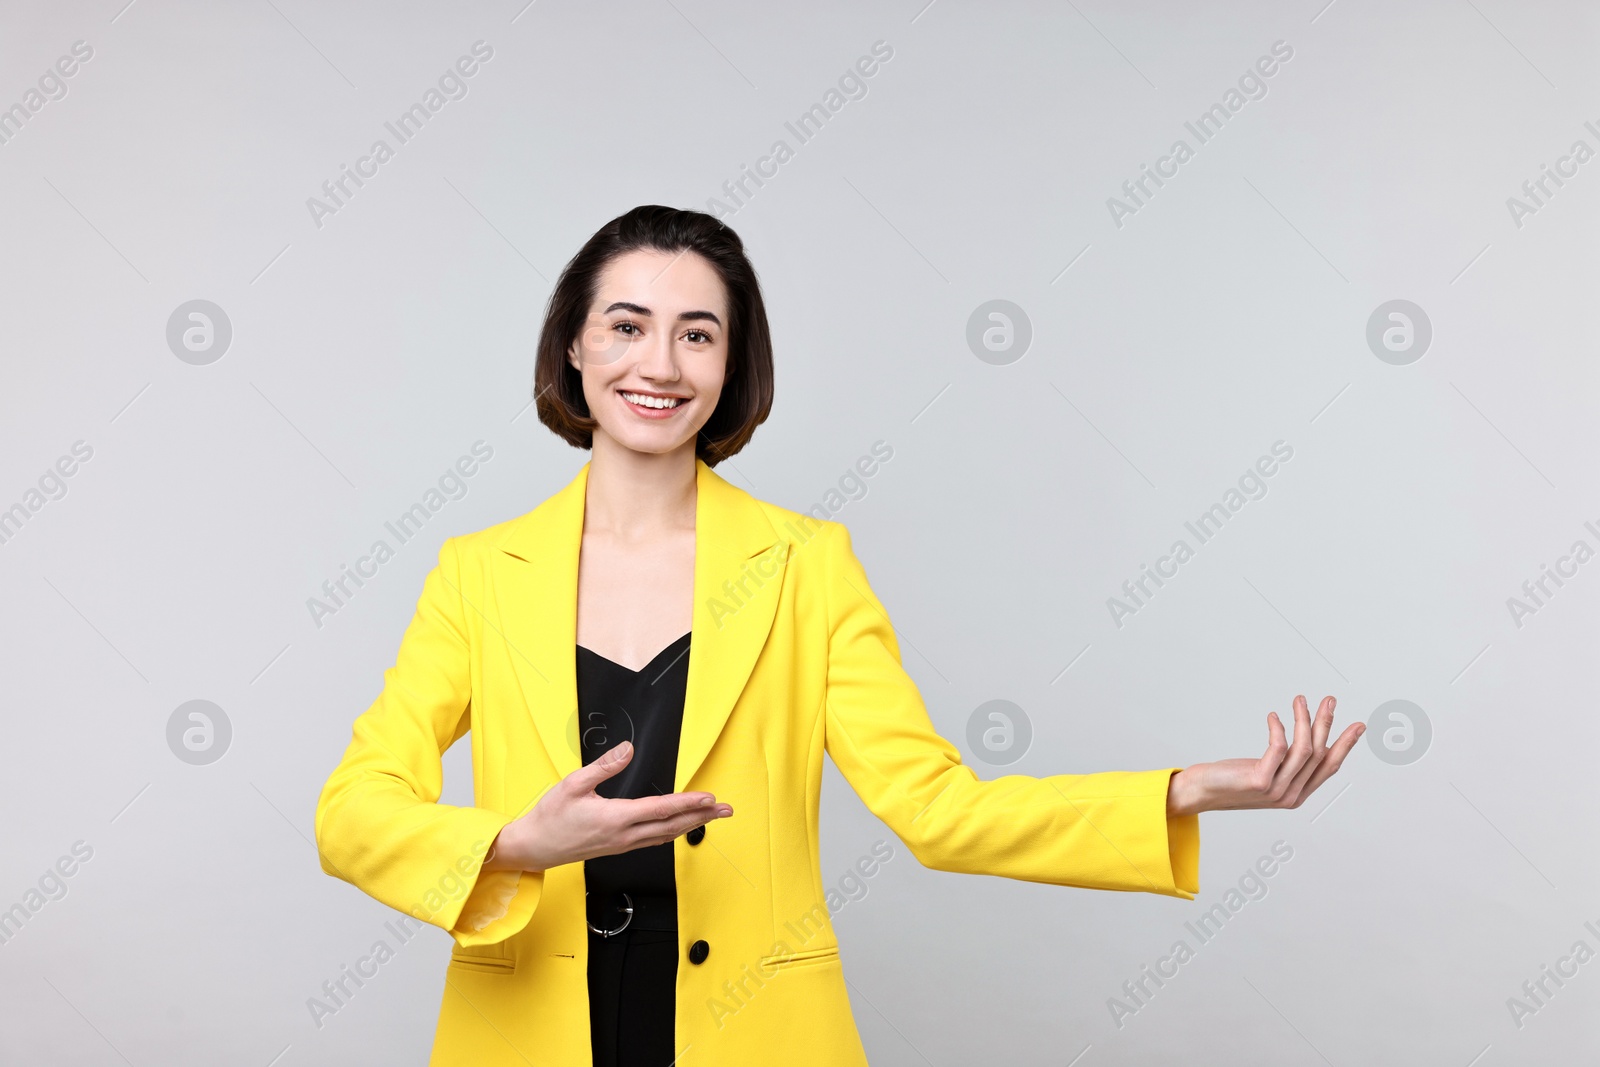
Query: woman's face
654	350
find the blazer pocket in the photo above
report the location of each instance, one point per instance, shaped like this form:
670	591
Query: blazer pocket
805	958
490	959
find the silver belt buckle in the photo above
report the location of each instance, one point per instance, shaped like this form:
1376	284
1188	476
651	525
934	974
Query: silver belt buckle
593	929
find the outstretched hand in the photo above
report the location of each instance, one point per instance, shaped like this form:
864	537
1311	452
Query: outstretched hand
573	822
1282	778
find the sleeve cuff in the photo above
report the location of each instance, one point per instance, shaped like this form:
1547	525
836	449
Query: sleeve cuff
1183	852
489	900
501	903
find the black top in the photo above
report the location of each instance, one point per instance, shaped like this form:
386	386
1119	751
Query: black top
646	708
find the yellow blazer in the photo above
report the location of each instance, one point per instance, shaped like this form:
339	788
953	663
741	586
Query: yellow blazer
793	655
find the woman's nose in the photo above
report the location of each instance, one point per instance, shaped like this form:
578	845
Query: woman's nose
658	360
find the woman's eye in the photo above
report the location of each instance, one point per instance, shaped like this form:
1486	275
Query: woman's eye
705	338
629	326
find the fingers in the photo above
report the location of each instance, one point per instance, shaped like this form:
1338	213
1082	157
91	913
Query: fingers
1335	757
1277	746
588	776
1299	749
658	832
1291	768
1324	724
669	806
653	820
1297	790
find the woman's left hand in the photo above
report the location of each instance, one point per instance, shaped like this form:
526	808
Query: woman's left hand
1282	778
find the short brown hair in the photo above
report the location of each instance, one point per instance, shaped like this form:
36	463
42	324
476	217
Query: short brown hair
746	398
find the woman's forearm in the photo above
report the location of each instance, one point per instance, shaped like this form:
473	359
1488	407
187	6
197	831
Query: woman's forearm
503	854
1182	798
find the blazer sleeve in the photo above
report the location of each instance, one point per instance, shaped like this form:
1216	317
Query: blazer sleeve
379	825
1098	831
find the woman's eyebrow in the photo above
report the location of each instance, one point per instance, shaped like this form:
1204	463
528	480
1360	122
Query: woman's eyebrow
686	316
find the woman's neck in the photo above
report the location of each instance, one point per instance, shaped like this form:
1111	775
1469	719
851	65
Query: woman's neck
635	496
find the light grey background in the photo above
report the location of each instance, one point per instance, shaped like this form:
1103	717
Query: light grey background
1167	354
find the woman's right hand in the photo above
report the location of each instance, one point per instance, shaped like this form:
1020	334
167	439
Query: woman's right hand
572	822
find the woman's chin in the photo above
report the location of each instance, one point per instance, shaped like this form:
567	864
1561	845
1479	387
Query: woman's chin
652	440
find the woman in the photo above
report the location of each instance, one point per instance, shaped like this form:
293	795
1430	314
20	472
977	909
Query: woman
651	664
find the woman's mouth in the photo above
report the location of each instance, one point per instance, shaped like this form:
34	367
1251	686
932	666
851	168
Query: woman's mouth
648	406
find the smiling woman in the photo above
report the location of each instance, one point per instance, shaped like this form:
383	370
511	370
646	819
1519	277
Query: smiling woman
646	653
698	321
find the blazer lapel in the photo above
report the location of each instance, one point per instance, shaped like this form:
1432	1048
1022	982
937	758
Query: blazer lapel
738	571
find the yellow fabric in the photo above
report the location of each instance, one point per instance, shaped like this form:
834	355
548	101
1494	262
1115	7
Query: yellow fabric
793	655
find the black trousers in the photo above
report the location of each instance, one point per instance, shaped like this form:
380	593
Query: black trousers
633	985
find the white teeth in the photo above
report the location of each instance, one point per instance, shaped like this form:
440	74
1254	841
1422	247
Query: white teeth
651	401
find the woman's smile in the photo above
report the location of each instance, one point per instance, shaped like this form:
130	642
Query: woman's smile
649	405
